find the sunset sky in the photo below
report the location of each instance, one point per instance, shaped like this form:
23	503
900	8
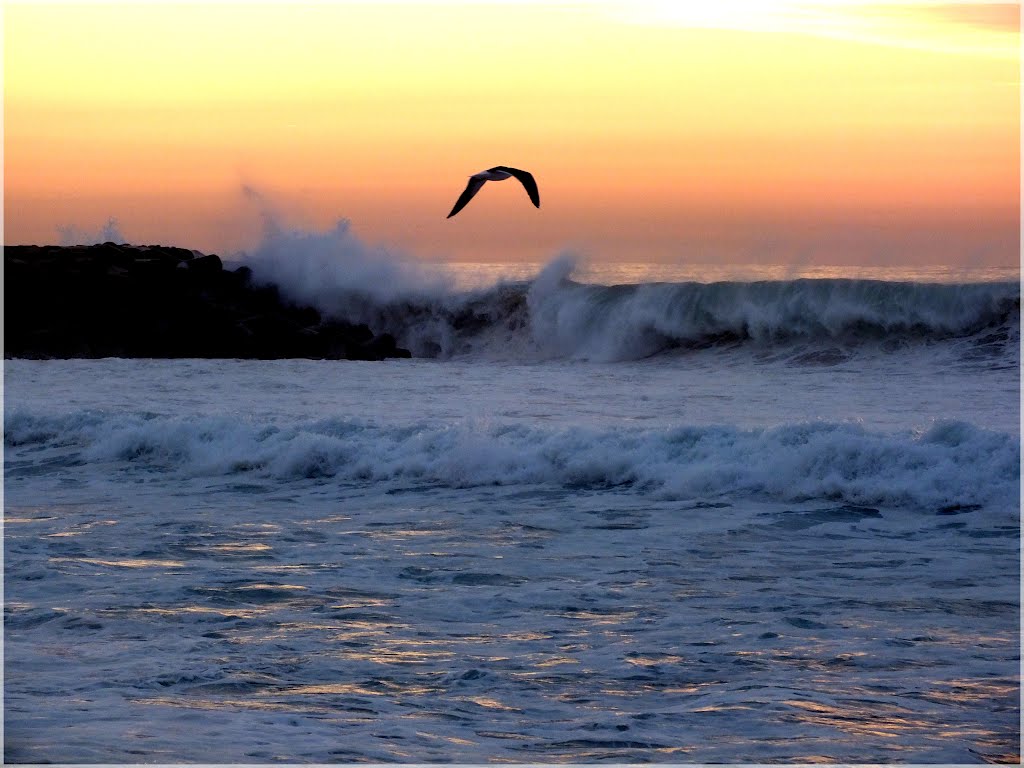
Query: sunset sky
746	132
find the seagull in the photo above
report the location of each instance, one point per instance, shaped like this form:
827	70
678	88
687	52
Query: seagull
497	173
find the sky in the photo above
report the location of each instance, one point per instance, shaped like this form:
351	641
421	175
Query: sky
737	131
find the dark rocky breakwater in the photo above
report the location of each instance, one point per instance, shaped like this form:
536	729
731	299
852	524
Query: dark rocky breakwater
114	300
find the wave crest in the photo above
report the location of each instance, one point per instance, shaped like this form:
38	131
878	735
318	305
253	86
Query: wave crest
631	321
952	464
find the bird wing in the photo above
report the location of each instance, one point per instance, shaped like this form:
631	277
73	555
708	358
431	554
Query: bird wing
467	194
527	180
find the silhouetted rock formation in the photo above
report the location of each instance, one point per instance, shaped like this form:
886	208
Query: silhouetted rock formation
155	301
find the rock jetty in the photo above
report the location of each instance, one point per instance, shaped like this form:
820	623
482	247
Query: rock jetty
156	301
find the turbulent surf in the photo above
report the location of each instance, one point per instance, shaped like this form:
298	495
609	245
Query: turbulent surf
665	519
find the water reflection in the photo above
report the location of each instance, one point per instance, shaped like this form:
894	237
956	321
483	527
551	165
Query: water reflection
130	562
859	718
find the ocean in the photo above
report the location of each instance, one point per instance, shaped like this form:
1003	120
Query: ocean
619	515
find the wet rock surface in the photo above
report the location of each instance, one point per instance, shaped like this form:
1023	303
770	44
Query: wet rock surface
115	300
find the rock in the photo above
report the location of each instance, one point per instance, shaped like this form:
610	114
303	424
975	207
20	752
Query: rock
379	348
156	301
206	265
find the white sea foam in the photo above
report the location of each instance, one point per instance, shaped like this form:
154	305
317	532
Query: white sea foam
950	464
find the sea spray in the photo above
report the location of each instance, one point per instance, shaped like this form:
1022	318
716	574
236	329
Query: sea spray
338	273
109	232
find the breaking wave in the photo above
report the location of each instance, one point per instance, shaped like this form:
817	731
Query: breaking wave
951	465
631	321
554	316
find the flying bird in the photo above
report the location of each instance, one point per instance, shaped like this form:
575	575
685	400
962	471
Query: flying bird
497	173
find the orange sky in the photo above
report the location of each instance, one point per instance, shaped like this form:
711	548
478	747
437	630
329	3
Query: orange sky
737	131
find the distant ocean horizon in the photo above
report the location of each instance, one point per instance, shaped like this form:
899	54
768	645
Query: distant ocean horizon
476	273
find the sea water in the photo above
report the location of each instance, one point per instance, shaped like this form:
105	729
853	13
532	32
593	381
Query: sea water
730	520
